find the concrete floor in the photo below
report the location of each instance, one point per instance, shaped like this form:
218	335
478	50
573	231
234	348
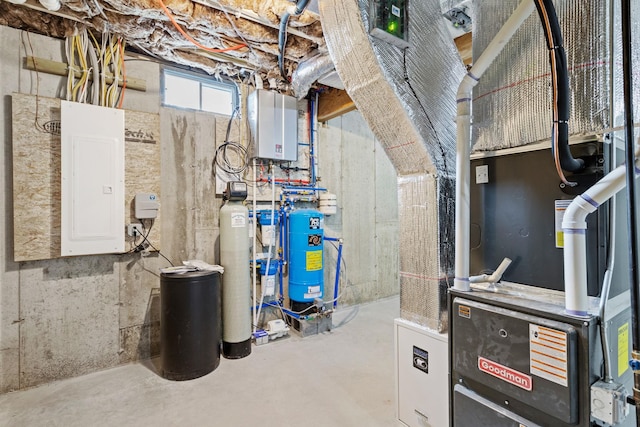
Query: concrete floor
341	378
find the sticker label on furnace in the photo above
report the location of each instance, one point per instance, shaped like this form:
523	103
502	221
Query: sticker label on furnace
548	354
560	207
623	349
505	373
464	311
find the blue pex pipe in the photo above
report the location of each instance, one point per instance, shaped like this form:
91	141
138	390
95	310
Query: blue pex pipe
283	246
339	261
278	306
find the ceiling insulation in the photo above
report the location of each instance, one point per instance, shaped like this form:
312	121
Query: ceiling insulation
213	23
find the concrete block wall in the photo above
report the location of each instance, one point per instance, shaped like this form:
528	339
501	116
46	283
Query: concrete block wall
70	316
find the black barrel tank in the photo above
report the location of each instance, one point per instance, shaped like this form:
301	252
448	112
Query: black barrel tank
190	324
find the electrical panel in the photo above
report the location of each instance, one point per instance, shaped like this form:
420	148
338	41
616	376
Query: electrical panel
92	163
273	119
389	21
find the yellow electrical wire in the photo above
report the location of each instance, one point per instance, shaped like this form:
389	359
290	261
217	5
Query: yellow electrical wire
70	66
124	72
83	64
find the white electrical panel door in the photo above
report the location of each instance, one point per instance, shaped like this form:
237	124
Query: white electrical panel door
422	376
92	179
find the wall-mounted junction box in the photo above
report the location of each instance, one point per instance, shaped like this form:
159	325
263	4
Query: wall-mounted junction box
388	21
273	119
146	205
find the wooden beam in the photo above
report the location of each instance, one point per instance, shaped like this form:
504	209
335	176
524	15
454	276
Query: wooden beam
333	103
61	69
464	45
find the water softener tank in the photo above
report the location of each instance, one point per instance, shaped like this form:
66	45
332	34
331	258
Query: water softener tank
236	280
190	324
306	275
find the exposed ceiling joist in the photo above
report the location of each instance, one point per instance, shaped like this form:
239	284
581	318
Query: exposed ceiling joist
218	24
254	17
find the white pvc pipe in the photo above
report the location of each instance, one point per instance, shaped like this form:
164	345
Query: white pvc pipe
463	143
495	276
255	242
574	226
271	240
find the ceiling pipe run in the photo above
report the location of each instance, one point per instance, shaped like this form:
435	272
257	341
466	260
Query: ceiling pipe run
463	142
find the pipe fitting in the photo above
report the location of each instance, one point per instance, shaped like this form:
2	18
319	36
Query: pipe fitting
576	214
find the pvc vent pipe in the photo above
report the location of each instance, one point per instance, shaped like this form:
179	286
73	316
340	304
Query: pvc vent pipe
574	226
463	146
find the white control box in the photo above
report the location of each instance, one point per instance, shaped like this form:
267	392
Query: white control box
146	205
422	375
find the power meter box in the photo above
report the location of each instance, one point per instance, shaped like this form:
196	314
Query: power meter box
388	21
273	119
146	205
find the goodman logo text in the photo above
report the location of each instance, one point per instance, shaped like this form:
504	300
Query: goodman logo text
505	374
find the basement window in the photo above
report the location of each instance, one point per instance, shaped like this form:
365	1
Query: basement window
186	90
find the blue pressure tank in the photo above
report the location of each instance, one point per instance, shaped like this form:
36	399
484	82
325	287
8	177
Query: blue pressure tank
306	264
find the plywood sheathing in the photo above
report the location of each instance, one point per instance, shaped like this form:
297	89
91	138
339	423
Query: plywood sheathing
36	174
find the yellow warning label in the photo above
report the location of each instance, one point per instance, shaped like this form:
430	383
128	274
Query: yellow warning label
314	260
464	311
560	208
623	348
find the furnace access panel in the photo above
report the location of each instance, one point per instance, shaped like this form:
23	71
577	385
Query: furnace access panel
514	362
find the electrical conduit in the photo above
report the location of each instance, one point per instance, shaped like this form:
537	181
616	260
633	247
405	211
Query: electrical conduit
632	224
282	35
463	146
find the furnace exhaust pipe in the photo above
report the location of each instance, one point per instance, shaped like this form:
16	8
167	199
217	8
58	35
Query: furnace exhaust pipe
463	145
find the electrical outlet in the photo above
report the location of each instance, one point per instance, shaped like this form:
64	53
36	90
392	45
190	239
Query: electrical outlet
482	174
134	230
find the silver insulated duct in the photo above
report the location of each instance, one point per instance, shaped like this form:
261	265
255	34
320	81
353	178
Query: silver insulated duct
511	105
407	96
